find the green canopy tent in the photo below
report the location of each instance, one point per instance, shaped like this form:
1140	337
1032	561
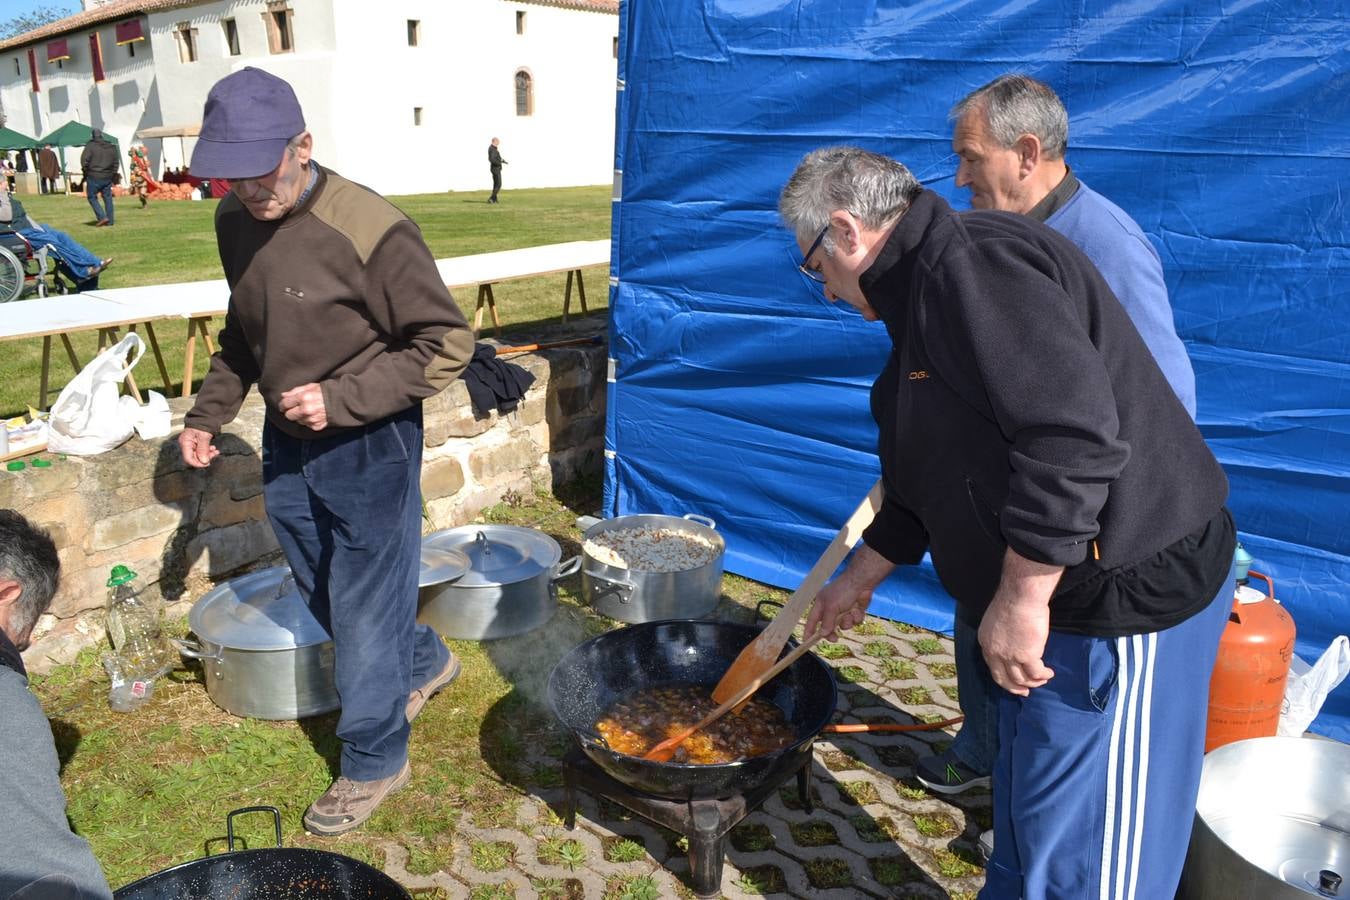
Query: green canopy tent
13	140
73	134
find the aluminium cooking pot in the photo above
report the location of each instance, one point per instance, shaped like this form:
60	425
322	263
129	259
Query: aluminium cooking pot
509	586
632	595
263	653
1272	822
273	872
588	680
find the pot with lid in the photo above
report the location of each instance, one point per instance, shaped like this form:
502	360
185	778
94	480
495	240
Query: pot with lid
646	568
263	653
508	586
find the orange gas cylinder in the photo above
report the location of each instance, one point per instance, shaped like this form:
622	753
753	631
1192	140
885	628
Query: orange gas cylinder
1247	687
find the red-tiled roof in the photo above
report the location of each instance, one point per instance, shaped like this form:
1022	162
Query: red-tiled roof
90	18
124	9
604	6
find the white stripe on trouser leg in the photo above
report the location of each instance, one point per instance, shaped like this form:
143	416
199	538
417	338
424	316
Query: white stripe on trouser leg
1141	791
1112	765
1127	768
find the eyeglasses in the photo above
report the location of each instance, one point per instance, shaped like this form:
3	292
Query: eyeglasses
805	266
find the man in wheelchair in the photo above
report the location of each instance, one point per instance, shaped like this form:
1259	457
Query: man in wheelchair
33	254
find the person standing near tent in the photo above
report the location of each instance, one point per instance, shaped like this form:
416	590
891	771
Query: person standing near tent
49	168
338	314
138	164
495	163
1030	444
99	164
1011	135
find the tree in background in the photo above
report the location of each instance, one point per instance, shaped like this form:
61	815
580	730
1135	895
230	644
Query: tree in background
35	18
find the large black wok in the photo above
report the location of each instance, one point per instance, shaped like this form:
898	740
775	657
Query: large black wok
272	873
587	681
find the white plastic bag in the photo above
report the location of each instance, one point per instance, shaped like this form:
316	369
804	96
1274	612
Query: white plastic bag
89	417
153	419
1308	686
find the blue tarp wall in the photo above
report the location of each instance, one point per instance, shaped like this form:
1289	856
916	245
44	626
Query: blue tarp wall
1224	130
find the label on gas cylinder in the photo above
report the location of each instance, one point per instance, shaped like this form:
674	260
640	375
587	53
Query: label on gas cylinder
1247	594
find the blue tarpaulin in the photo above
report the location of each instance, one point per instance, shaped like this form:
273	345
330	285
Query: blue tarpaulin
1224	130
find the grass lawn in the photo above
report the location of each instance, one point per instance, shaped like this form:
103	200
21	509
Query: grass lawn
174	241
151	789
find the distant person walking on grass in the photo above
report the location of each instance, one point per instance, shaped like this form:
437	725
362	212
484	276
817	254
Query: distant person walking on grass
139	165
495	163
99	163
338	315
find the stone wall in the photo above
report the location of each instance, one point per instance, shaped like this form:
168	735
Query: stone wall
183	529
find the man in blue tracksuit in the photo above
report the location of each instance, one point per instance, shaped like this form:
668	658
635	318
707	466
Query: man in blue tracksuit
1011	136
1029	442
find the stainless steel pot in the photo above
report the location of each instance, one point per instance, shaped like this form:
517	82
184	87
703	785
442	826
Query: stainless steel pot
264	654
510	586
631	595
1272	822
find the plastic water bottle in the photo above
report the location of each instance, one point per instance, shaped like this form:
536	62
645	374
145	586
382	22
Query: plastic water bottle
140	652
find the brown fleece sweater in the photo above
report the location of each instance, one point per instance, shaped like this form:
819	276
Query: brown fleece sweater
342	292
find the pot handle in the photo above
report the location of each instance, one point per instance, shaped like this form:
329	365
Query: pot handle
702	520
568	567
229	822
194	650
588	736
622	589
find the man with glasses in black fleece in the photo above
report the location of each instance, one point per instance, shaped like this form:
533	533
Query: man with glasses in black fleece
1030	444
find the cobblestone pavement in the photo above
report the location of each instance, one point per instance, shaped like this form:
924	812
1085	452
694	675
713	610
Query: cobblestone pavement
874	832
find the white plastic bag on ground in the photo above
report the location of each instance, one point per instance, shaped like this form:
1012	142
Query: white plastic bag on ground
89	417
1308	686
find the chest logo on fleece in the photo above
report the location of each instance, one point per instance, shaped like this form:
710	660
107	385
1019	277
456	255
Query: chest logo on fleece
918	375
292	292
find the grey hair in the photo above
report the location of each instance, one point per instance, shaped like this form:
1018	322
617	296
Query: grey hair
875	188
28	556
1016	104
294	143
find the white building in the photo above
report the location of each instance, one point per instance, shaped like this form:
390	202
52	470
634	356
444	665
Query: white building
401	95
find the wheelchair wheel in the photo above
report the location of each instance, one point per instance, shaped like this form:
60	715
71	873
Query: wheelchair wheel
11	276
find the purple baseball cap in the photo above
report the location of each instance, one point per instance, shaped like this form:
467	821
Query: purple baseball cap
250	116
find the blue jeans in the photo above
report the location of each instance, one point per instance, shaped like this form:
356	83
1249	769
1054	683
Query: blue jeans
347	512
976	744
79	261
94	188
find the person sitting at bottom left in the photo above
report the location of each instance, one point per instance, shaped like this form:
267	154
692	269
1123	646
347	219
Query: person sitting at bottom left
42	858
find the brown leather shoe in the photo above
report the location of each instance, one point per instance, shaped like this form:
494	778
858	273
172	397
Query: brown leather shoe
418	698
347	804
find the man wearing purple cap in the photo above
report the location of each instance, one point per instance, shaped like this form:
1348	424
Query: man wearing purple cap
338	315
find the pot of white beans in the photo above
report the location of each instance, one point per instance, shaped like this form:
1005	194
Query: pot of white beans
649	567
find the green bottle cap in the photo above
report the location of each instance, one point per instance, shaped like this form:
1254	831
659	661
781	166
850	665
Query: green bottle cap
15	466
42	463
120	575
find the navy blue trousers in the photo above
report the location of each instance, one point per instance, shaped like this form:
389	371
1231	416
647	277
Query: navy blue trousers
347	512
1098	770
976	744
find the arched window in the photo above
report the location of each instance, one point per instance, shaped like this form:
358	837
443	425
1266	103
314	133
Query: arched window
524	94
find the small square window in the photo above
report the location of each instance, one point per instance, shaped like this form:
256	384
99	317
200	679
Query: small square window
414	32
231	36
520	21
280	24
187	42
417	115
